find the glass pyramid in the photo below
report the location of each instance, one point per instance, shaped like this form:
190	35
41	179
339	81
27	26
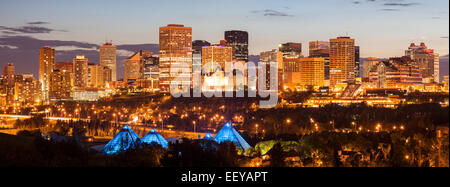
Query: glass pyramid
153	136
208	136
227	133
123	140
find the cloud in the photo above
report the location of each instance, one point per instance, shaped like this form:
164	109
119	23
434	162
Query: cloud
30	28
400	4
272	13
389	9
38	23
74	48
124	53
8	46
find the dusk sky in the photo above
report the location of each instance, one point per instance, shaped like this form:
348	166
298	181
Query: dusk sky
383	28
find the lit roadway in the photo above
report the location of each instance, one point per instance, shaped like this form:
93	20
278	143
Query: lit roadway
184	134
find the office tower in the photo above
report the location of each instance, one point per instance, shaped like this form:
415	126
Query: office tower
427	59
367	66
61	84
175	49
27	90
342	60
321	49
216	57
197	46
213	64
108	59
46	63
357	62
9	80
395	73
291	50
304	73
238	40
96	75
268	57
135	64
80	71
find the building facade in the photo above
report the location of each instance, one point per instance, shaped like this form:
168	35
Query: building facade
80	71
108	59
342	60
175	49
238	40
46	64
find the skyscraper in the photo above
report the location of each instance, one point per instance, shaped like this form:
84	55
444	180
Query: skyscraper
108	59
291	50
342	60
9	78
197	46
304	73
46	63
216	56
80	70
61	85
321	49
134	66
175	49
268	57
238	40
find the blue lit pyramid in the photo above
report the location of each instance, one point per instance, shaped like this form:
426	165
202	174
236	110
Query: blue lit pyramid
153	136
123	140
227	133
208	136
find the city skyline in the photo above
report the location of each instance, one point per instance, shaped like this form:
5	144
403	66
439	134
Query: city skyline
285	21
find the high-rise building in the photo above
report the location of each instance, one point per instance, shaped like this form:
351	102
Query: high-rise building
46	63
61	84
238	40
321	49
342	60
27	91
216	57
96	75
80	70
268	57
9	80
304	73
357	62
175	49
427	59
367	66
291	50
135	64
108	59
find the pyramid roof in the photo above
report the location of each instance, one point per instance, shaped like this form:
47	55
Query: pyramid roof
154	136
122	141
227	133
